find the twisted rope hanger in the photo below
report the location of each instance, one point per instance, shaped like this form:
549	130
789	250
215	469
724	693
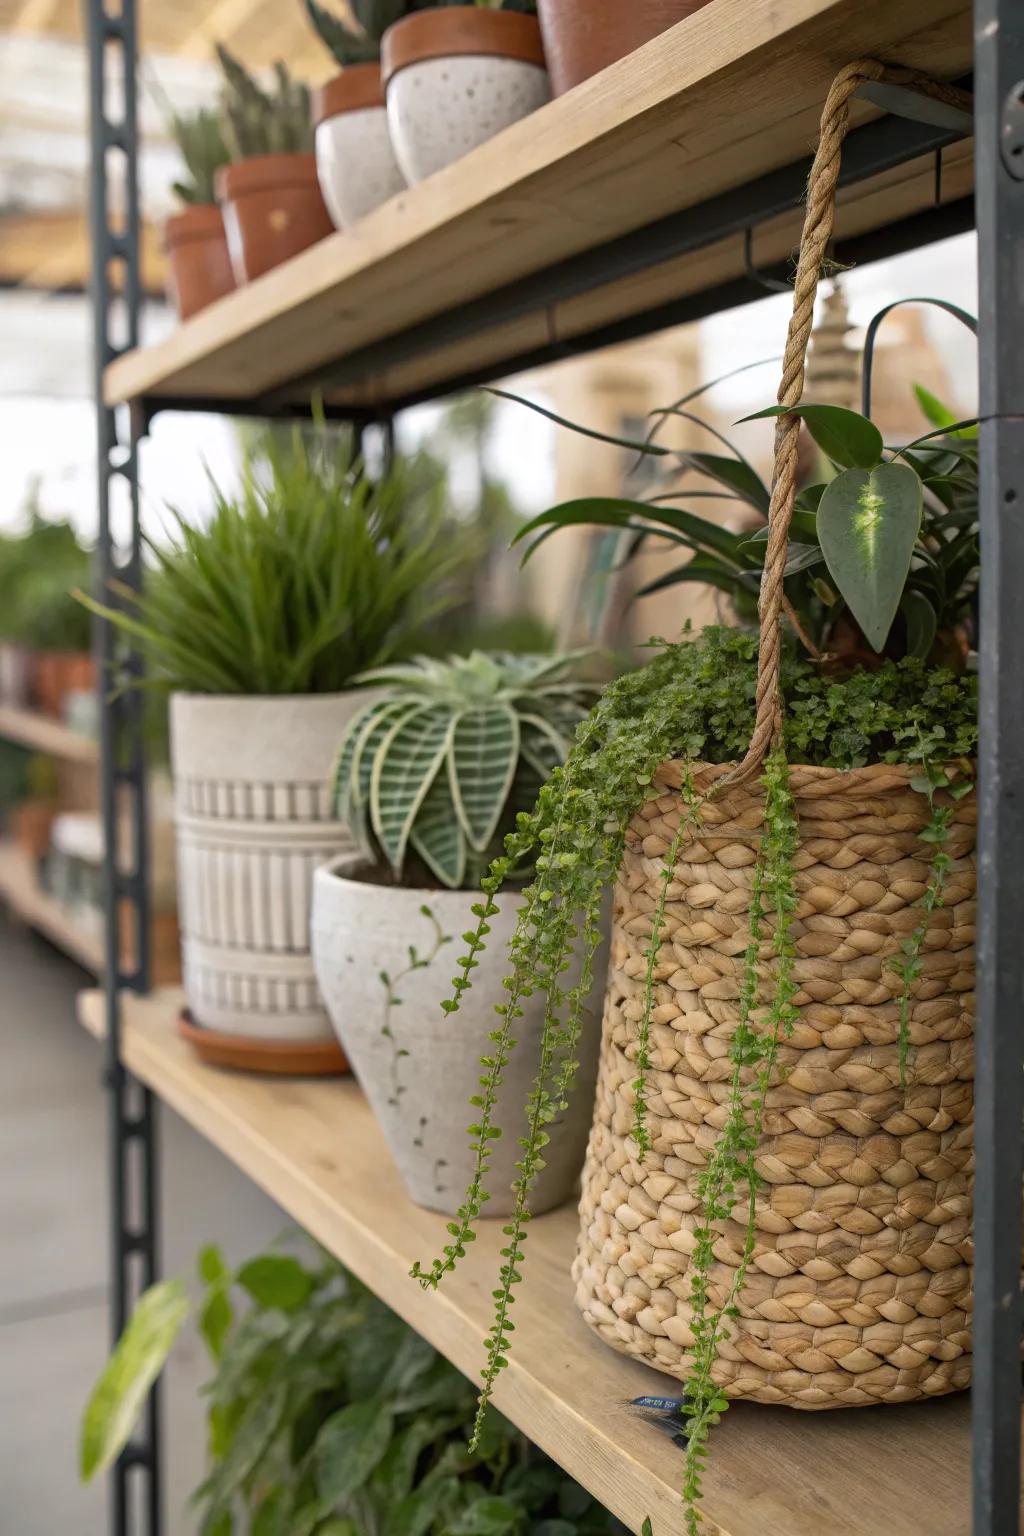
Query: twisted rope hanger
819	222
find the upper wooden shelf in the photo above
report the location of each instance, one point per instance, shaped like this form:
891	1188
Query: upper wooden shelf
315	1147
485	266
44	734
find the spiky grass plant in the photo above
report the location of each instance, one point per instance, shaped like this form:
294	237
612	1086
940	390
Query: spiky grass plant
200	139
439	767
306	577
263	122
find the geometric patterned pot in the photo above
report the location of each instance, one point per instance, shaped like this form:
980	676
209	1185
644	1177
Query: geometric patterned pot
253	821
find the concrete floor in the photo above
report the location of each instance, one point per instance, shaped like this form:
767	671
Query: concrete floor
53	1251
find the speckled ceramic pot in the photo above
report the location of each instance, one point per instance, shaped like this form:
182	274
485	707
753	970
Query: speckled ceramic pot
355	163
455	77
384	966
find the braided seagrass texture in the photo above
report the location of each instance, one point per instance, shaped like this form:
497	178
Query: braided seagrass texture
860	1286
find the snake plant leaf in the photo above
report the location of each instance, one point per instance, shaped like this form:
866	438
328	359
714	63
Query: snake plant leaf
846	437
437	835
405	765
922	622
868	523
482	761
137	1361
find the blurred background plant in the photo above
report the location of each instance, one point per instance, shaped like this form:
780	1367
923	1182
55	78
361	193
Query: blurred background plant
329	1414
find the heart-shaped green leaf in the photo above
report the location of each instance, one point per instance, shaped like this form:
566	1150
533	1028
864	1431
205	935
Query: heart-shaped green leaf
868	523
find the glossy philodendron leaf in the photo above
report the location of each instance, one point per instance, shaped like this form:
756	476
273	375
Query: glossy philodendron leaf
137	1361
868	523
736	474
276	1280
405	765
922	623
348	1448
845	436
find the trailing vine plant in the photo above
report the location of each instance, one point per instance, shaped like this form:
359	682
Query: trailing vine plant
694	702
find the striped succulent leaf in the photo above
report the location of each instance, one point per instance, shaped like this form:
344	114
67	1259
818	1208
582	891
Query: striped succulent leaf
405	765
481	766
442	762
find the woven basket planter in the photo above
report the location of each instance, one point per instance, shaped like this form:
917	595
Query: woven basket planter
860	1287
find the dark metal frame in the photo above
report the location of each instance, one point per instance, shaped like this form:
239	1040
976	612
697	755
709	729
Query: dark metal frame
999	180
134	1204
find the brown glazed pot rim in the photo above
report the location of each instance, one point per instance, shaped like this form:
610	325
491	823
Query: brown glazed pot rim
460	29
197	221
262	173
359	88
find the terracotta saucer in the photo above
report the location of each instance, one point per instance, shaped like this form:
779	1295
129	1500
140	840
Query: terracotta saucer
246	1053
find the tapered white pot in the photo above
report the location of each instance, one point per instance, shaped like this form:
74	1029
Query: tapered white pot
253	821
355	161
384	967
455	76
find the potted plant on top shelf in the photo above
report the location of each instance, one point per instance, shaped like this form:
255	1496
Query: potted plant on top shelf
777	1196
258	622
582	37
269	193
430	778
354	158
199	268
456	75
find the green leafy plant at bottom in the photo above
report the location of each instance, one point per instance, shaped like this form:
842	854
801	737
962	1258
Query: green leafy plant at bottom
694	702
329	1416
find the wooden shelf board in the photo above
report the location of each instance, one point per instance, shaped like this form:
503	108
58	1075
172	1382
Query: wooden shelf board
20	889
315	1147
45	734
728	94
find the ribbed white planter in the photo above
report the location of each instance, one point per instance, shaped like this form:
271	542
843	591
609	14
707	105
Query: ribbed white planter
253	821
440	109
418	1066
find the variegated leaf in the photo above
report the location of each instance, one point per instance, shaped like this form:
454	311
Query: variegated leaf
868	523
437	836
481	766
405	765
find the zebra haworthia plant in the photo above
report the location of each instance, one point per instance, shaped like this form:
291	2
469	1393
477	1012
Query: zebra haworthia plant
440	765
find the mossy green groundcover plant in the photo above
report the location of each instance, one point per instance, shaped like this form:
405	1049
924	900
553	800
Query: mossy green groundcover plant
329	1416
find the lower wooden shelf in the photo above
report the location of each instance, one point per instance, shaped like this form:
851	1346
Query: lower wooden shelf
23	894
315	1147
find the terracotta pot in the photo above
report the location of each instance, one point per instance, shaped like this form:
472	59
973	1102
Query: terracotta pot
46	681
30	826
455	77
355	162
198	265
272	210
76	673
582	37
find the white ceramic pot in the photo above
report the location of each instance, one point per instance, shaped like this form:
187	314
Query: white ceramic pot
455	77
355	162
419	1066
253	821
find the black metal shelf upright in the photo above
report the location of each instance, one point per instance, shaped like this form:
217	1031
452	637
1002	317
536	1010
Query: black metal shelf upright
998	213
